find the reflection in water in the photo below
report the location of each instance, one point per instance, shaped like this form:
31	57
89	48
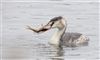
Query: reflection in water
59	54
50	52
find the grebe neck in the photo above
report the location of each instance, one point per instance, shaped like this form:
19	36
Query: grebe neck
55	40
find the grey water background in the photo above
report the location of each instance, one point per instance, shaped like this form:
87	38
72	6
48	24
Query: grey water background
18	43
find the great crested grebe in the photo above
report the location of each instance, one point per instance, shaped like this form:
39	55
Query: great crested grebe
60	37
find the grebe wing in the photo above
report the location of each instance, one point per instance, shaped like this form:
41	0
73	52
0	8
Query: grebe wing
68	36
74	39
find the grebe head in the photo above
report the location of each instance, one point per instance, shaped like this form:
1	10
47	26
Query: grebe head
57	22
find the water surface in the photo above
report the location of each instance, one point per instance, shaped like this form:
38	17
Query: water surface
19	43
